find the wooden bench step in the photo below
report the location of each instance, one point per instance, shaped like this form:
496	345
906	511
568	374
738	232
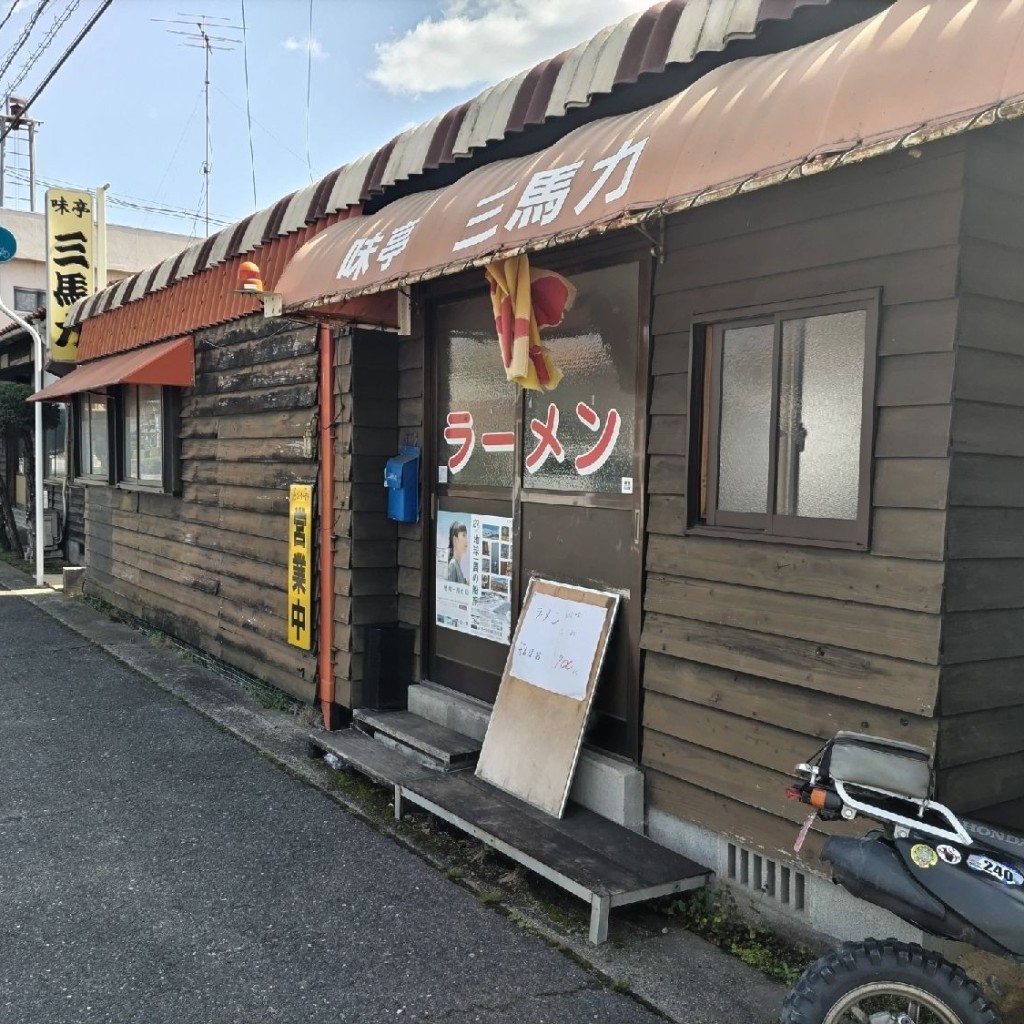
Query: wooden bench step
587	855
450	749
377	762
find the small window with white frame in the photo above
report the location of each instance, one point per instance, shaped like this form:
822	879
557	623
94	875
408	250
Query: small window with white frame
93	423
142	423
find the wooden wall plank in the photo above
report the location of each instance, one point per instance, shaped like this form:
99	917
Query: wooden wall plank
922	379
911	483
872	679
983	584
839	575
748	826
986	533
856	627
981	783
991	377
988	481
797	709
980	685
909	533
982	635
913	432
666	514
980	736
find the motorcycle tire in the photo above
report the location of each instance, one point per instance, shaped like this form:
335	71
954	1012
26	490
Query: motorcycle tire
876	969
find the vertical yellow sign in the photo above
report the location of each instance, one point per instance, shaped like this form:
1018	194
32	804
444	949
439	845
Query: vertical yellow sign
300	566
70	274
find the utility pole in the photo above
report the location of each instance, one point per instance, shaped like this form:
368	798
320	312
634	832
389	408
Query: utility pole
198	36
17	156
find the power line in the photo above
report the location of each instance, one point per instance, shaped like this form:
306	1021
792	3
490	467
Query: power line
59	22
248	104
174	155
8	58
259	124
125	201
7	17
86	29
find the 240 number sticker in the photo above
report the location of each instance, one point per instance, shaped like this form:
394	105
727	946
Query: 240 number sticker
1003	872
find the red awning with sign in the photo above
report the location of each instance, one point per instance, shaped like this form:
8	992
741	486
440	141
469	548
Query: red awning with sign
171	363
916	71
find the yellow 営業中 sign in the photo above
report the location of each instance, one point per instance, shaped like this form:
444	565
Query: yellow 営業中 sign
70	273
300	566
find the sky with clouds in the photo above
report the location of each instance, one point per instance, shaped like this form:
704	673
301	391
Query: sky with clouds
127	108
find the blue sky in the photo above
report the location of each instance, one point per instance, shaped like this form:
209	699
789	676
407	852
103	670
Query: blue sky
127	107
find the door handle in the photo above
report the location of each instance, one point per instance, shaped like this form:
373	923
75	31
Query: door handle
636	527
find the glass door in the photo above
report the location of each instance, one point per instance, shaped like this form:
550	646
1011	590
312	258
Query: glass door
541	483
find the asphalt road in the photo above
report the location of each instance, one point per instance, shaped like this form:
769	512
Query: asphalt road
155	869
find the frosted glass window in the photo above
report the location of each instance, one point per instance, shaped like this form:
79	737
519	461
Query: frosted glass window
820	413
472	383
745	423
595	346
782	423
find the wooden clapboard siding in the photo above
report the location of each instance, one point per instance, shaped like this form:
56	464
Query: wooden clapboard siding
210	566
76	524
366	542
412	430
981	737
757	652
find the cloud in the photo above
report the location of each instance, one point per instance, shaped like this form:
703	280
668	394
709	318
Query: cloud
483	41
310	45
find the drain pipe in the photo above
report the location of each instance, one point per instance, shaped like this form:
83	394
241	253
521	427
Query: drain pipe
326	449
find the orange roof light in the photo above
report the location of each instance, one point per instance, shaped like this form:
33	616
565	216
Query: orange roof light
249	278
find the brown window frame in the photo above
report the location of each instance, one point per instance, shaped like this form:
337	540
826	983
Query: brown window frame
705	404
170	481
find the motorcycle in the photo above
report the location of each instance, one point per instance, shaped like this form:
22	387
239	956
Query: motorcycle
949	876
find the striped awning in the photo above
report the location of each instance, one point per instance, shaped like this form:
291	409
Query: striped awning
917	71
685	36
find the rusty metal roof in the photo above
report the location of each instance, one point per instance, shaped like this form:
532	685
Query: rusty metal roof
671	33
34	317
917	71
204	299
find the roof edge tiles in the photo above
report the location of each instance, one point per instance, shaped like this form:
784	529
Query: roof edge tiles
672	32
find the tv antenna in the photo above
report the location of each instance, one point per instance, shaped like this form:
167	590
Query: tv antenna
198	33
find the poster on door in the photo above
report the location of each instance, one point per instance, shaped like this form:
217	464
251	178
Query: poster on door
474	575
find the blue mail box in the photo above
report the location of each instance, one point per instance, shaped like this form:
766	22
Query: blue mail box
402	480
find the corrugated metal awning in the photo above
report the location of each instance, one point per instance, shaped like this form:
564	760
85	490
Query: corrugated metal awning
171	363
916	71
671	34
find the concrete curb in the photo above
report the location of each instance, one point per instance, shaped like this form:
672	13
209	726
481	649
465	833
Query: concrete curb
674	973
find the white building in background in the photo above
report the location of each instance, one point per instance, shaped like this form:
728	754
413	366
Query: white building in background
23	279
23	284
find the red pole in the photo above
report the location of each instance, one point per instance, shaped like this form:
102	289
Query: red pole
326	448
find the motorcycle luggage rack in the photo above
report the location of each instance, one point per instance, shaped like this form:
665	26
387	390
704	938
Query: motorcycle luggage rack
956	833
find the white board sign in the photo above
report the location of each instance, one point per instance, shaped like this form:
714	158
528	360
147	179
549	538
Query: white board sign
556	643
536	729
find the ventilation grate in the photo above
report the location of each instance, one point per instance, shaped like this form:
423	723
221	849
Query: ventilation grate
767	877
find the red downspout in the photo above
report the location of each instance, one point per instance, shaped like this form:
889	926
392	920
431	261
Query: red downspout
326	448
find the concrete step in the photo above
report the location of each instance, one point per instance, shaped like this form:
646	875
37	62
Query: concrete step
423	739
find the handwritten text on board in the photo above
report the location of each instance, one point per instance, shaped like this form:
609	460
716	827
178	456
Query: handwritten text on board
556	644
